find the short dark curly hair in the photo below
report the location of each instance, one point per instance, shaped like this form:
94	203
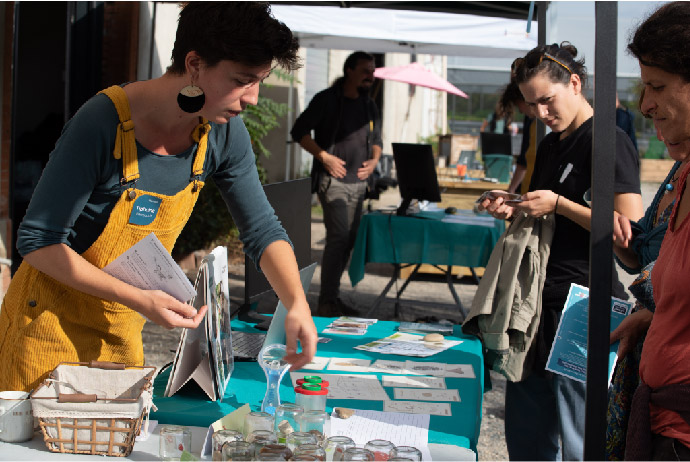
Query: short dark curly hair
662	39
558	61
243	32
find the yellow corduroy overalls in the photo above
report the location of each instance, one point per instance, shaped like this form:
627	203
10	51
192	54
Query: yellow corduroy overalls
44	322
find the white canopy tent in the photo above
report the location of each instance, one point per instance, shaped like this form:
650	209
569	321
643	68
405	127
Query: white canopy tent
403	31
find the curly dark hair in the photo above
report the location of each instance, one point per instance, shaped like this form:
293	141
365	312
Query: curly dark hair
662	39
243	32
510	97
558	61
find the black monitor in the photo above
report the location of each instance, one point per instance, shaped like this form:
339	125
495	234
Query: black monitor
495	143
416	172
291	201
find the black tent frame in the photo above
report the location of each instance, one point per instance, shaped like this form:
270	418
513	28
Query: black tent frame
603	162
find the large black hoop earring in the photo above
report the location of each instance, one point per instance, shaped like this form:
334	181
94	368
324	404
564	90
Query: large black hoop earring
191	99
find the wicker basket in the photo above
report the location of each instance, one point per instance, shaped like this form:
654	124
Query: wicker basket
93	408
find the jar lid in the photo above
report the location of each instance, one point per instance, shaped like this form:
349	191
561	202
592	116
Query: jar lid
311	386
307	389
312	379
323	383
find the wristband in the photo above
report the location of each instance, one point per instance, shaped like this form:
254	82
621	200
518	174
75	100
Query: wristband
555	209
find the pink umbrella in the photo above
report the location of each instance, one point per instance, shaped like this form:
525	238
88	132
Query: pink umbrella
416	74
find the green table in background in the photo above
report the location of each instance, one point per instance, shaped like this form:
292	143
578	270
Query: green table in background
426	237
248	385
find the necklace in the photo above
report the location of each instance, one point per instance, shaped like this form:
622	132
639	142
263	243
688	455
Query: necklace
669	186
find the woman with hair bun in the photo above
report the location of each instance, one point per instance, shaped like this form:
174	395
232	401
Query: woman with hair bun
658	428
544	411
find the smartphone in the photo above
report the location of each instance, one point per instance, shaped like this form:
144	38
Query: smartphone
495	194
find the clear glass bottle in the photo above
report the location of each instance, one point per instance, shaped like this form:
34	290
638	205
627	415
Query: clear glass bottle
272	361
173	440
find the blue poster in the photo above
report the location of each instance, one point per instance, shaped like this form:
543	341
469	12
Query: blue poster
568	355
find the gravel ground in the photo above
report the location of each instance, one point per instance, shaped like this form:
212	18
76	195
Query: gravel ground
160	344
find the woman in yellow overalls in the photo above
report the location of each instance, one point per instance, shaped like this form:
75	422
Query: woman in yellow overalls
148	144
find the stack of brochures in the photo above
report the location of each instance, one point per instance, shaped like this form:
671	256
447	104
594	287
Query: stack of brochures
425	328
347	325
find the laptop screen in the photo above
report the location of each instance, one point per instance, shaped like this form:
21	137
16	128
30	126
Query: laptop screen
276	332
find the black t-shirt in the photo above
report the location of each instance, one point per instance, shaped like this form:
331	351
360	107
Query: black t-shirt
565	168
351	139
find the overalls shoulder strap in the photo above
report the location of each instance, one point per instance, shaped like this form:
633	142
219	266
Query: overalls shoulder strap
125	143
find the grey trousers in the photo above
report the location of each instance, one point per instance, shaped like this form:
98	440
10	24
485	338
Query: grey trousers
342	211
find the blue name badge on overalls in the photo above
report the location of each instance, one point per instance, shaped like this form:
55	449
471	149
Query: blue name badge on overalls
144	210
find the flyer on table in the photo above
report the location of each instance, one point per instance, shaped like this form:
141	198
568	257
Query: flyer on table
568	355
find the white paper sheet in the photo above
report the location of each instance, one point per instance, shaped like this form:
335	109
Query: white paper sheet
349	364
398	428
148	265
417	407
464	371
317	363
413	382
349	386
427	394
404	344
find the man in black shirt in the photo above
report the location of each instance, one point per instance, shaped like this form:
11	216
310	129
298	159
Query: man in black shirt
346	147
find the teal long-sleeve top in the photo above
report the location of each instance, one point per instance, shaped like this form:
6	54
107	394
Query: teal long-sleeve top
81	182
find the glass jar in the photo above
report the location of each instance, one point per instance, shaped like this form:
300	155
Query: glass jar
221	437
237	450
335	446
380	448
259	439
270	456
311	450
315	422
358	454
406	452
296	439
257	421
287	420
277	448
173	440
311	396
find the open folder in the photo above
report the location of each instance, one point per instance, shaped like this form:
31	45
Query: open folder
204	354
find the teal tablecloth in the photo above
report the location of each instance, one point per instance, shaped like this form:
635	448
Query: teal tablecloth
248	384
423	238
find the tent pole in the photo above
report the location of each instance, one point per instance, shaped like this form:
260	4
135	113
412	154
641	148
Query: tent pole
288	125
601	243
541	40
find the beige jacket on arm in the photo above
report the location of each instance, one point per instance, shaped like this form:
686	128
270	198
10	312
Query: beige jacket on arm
506	309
